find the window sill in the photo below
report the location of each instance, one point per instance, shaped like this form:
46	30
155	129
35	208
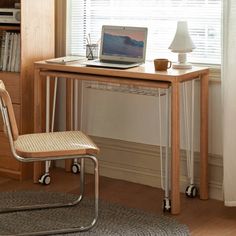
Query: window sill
215	72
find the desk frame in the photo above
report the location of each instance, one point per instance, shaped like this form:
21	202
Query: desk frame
139	76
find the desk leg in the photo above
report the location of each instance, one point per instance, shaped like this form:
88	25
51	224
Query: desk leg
38	166
69	115
175	158
37	102
204	138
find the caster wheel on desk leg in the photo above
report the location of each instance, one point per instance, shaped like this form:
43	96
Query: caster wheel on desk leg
191	191
166	205
75	168
45	179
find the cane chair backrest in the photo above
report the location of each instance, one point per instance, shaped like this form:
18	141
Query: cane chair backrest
6	102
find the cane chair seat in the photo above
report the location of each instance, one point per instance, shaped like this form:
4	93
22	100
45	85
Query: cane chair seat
54	144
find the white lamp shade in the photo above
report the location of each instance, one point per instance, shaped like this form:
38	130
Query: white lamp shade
182	41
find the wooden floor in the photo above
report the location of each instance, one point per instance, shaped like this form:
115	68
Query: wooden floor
203	217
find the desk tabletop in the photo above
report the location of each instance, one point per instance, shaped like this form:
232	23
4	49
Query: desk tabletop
144	71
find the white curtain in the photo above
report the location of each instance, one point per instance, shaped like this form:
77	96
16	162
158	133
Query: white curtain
229	101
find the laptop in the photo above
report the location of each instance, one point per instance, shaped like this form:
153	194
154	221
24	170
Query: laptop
121	47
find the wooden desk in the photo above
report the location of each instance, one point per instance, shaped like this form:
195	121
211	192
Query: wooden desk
144	75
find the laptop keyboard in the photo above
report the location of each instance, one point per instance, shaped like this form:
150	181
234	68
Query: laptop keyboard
112	64
117	62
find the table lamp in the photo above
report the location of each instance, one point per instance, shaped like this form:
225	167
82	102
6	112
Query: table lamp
182	43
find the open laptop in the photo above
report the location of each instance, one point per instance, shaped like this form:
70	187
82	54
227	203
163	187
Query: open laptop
121	47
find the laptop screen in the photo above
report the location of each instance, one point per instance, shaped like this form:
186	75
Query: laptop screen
121	43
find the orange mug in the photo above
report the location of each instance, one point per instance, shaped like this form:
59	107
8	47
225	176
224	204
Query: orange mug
162	64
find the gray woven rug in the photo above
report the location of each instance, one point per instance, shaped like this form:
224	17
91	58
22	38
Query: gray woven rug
114	220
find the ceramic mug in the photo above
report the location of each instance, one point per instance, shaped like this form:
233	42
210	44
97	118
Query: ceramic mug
162	64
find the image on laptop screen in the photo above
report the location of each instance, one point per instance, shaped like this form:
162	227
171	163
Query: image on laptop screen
124	43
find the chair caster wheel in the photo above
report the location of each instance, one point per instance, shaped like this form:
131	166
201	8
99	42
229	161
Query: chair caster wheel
75	168
166	205
191	191
45	179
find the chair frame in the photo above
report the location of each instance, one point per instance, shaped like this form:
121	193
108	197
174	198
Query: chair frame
6	121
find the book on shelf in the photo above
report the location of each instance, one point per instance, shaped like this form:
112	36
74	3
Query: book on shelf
10	51
2	46
14	49
5	52
17	62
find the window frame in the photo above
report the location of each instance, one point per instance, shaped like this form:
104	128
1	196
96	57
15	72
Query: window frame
215	69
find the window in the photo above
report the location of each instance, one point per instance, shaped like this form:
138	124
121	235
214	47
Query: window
160	16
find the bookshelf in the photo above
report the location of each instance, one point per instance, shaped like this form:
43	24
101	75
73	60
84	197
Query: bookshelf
10	27
37	34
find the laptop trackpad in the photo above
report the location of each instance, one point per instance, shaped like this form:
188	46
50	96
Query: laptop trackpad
119	65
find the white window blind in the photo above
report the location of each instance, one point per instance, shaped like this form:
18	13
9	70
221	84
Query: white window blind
85	17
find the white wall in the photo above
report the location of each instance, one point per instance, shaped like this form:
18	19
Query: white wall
135	117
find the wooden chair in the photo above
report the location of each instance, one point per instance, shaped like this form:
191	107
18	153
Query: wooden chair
48	147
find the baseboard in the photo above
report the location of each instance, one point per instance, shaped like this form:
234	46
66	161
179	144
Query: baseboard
10	173
140	163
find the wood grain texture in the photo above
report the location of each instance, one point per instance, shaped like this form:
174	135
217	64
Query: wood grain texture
175	152
7	159
60	27
109	79
10	111
37	102
38	166
204	137
37	43
145	71
69	115
7	3
17	175
144	74
12	84
10	27
17	109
